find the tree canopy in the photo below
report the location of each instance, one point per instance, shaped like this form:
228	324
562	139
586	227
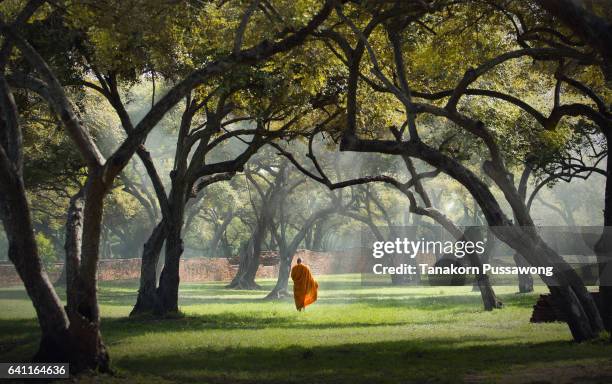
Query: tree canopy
225	127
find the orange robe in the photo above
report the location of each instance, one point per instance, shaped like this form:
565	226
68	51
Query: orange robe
304	286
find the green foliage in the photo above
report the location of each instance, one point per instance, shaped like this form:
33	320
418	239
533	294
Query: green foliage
46	249
140	43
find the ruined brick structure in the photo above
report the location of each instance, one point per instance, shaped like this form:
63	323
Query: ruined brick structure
209	269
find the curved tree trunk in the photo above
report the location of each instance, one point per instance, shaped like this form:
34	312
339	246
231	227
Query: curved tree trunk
249	260
485	257
566	287
604	257
145	302
579	307
566	284
249	255
489	299
16	217
23	253
282	282
603	250
72	334
287	252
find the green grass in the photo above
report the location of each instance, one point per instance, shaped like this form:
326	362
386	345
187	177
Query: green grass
353	334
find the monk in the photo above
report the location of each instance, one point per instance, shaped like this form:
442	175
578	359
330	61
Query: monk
304	286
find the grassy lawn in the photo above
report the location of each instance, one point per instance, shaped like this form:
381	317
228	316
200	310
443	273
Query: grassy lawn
353	334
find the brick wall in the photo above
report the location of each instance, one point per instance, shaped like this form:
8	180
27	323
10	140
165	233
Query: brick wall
208	269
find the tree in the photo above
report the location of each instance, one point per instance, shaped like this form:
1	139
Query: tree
287	210
370	201
270	199
565	285
79	324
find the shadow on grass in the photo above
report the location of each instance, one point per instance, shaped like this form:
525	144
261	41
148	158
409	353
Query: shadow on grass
121	328
419	359
331	292
457	303
18	293
18	333
205	294
18	339
405	299
407	361
430	360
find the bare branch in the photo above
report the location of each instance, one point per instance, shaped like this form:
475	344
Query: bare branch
243	25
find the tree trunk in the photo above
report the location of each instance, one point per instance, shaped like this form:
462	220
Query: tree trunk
577	302
82	309
317	237
73	243
280	289
485	257
214	243
287	251
525	281
603	250
566	287
23	253
308	240
583	315
249	260
579	323
145	302
169	280
249	255
489	299
72	334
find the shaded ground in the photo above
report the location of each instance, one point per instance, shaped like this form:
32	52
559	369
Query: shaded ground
353	334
